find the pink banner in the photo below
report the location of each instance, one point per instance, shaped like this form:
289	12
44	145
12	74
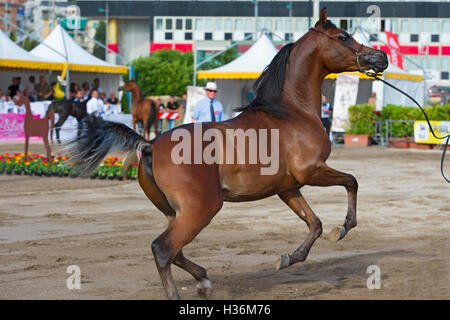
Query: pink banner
11	128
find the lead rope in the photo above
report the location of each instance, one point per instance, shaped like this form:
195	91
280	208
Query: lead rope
375	76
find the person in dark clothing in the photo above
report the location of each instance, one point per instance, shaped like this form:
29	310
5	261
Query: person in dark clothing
327	112
172	106
12	89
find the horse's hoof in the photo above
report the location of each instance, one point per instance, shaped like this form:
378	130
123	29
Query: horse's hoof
337	234
283	261
204	288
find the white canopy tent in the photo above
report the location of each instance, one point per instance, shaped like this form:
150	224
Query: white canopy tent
14	60
60	47
235	79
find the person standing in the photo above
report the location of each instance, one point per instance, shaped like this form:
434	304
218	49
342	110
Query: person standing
327	112
208	109
172	106
160	106
183	104
95	105
31	87
12	89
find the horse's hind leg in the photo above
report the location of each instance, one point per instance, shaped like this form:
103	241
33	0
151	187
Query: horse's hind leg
326	176
298	204
167	246
204	287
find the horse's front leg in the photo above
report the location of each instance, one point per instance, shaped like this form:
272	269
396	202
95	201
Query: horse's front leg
326	176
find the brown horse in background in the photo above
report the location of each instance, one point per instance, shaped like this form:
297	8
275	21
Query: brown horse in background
288	99
37	127
144	111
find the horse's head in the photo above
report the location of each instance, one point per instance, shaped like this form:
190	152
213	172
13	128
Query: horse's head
340	52
129	86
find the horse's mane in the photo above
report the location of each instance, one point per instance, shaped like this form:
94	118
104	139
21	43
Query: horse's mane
269	85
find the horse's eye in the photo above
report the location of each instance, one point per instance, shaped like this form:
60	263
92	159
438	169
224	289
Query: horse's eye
344	37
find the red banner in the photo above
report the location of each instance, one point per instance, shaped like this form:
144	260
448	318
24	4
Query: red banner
394	56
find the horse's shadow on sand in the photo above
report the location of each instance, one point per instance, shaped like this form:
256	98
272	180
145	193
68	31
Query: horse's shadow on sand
332	273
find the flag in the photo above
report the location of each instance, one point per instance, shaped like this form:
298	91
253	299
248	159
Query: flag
394	57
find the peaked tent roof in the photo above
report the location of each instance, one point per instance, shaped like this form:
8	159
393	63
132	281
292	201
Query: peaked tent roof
78	58
13	57
249	65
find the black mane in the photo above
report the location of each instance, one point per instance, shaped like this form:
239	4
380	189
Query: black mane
269	85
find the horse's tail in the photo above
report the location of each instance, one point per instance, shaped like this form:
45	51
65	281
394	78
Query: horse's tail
151	117
100	137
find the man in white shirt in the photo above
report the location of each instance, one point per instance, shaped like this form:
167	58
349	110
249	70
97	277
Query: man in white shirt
208	109
95	105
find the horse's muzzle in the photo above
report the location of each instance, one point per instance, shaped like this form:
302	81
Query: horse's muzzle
376	60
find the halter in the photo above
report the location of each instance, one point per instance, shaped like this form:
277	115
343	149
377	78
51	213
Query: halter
357	52
375	76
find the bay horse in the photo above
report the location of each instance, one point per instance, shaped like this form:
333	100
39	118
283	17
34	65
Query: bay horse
36	127
144	111
288	99
66	108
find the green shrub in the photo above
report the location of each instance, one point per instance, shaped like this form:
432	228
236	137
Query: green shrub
362	119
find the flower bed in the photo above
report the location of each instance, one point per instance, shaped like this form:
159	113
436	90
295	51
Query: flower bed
60	166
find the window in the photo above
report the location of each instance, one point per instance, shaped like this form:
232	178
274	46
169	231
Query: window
228	24
413	37
288	36
259	24
268	24
208	35
433	63
394	26
404	25
168	36
279	25
238	24
445	75
373	37
208	24
445	63
168	24
435	26
228	36
248	36
414	26
188	23
188	36
434	38
446	26
288	26
159	24
426	26
352	25
218	24
179	24
248	25
198	24
343	24
299	25
383	25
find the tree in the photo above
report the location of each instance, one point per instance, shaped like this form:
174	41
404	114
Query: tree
220	60
100	34
165	72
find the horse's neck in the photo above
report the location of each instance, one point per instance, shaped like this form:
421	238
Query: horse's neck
28	113
303	81
137	96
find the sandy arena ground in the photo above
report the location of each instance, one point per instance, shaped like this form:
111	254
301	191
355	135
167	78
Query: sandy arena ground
106	228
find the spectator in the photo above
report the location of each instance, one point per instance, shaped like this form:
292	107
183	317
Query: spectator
113	101
43	89
172	106
73	90
85	87
3	98
162	108
96	85
95	105
20	86
31	87
27	94
373	99
78	97
327	112
12	89
183	104
209	108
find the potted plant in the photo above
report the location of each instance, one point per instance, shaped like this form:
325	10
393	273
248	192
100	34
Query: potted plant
361	126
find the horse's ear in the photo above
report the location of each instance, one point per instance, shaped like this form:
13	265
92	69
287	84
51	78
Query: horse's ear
323	18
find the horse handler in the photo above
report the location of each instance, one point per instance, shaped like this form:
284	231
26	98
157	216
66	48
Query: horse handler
208	109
